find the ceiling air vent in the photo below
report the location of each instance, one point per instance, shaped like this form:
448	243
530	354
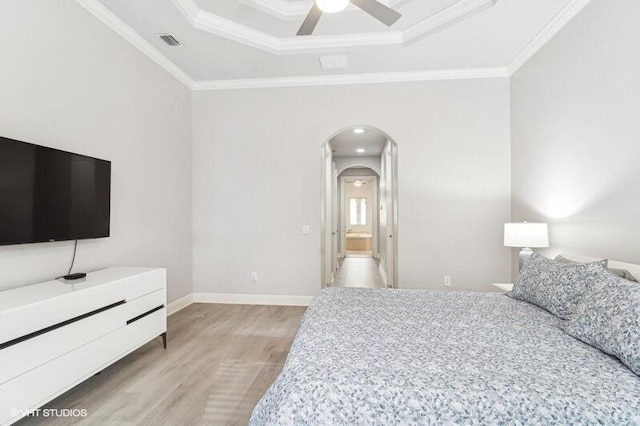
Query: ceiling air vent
170	40
334	62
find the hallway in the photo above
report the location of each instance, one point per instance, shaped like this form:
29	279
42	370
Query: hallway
359	272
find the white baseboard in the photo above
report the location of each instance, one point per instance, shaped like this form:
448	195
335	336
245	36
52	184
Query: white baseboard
178	305
252	299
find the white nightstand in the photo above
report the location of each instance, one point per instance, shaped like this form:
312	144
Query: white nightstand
504	287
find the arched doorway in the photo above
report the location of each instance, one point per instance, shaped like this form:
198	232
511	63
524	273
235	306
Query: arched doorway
360	148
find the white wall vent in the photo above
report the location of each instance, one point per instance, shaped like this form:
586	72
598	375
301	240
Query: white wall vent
334	62
169	39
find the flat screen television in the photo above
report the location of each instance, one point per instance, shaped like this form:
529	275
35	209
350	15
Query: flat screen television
51	195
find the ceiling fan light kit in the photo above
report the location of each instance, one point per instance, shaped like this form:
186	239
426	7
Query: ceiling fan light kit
379	11
332	6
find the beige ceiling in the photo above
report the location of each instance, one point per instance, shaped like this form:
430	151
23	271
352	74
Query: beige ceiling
253	39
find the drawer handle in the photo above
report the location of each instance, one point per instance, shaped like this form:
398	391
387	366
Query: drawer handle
139	317
59	325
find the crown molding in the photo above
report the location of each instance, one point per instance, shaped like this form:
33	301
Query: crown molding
287	10
343	79
119	26
231	30
548	32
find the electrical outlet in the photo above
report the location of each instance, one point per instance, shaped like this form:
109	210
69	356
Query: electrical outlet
305	230
447	281
254	277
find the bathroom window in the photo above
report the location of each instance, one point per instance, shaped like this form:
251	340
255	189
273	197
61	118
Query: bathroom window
358	211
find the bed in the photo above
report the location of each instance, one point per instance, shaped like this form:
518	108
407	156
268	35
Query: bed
366	356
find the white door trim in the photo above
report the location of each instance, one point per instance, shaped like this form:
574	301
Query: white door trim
325	215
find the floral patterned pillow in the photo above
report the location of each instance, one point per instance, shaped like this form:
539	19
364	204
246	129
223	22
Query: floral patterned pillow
608	318
554	286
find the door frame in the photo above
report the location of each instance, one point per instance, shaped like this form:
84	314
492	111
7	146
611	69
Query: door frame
326	209
326	204
393	147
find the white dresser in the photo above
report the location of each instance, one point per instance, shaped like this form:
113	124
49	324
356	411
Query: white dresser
54	335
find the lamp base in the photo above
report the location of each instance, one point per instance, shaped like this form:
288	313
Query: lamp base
523	256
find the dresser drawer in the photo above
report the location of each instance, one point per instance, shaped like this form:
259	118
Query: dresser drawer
38	316
146	283
137	307
44	383
31	353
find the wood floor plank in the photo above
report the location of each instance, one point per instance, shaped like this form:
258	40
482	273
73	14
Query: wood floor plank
359	272
219	362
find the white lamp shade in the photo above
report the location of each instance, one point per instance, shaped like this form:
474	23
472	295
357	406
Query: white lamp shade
526	235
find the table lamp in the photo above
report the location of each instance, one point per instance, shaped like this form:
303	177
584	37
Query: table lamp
526	236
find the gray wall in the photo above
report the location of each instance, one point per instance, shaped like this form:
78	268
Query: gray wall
257	176
576	134
69	82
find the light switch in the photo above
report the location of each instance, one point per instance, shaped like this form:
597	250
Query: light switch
306	230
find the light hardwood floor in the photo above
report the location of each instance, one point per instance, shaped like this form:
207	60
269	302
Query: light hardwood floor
358	272
219	362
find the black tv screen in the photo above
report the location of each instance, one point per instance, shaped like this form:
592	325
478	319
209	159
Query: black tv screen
51	195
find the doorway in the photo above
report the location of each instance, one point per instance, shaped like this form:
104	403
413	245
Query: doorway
359	209
358	213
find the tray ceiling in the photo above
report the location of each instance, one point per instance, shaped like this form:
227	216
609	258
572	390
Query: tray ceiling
255	39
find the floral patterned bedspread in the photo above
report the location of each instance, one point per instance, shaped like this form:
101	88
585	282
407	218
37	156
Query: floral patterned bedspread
385	357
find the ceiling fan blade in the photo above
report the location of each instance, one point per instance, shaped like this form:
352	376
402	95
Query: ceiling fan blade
310	21
382	13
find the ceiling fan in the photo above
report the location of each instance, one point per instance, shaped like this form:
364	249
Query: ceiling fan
382	13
